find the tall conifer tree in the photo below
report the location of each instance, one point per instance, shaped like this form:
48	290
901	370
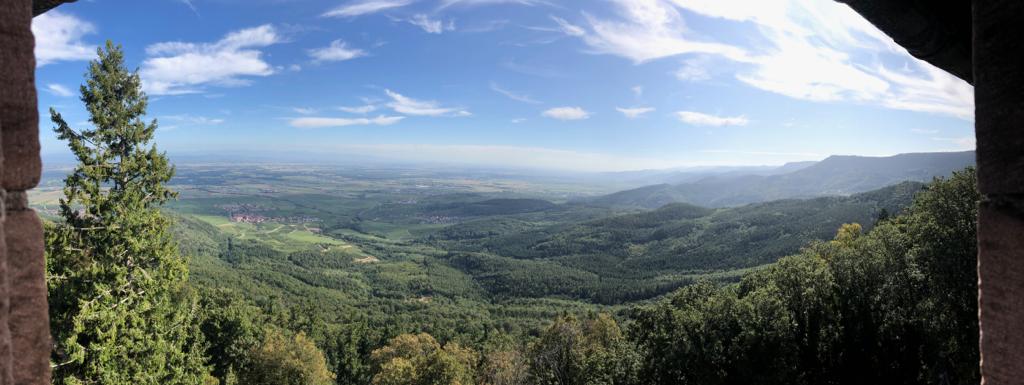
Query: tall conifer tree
120	308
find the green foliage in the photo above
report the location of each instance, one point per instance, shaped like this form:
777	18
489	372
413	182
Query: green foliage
504	367
418	359
896	305
593	351
626	258
232	329
120	309
284	360
351	353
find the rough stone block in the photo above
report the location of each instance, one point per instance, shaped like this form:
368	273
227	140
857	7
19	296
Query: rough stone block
999	107
18	61
20	143
15	14
29	319
1001	292
18	109
6	372
16	56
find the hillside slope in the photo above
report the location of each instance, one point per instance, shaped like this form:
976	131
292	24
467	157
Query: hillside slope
836	175
641	254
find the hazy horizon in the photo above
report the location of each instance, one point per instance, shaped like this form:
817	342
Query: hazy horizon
61	161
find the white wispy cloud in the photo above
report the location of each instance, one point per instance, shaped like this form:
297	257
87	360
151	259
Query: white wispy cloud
567	27
813	50
364	109
59	38
513	95
694	69
365	7
470	3
638	91
194	120
58	90
936	92
702	119
566	113
338	50
409	106
648	30
304	110
321	122
924	131
431	26
634	112
188	3
181	68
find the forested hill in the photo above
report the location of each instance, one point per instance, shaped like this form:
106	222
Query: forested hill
640	253
836	175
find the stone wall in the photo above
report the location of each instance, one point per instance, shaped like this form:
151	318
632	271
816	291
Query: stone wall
24	323
999	126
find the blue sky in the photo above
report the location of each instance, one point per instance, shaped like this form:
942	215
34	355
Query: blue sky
578	85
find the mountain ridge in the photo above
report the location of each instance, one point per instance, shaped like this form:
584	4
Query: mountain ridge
835	175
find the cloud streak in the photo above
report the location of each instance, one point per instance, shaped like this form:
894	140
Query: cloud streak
193	119
59	38
813	50
338	50
568	28
409	106
322	122
58	90
365	7
648	30
175	68
566	113
471	3
513	95
362	110
634	112
702	119
431	26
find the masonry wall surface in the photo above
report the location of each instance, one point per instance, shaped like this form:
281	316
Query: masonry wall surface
24	323
998	60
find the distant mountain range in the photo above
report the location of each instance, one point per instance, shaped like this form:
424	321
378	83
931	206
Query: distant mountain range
836	175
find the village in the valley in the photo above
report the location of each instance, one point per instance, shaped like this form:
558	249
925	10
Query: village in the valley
248	213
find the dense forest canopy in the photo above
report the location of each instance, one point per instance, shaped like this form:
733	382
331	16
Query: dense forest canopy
893	304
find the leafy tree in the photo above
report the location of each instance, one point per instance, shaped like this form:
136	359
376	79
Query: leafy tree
504	360
418	359
283	360
943	227
896	305
231	327
504	367
120	311
593	351
351	352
